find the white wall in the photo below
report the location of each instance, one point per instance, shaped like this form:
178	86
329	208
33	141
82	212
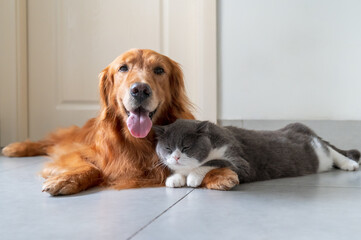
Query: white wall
289	59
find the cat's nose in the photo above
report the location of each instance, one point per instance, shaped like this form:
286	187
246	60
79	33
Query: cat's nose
176	158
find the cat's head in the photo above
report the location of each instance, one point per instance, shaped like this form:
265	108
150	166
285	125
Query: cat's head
183	144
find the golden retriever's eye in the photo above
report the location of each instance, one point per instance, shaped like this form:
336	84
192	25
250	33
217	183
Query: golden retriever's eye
123	68
158	70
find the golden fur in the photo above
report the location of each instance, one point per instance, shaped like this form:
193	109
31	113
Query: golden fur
103	151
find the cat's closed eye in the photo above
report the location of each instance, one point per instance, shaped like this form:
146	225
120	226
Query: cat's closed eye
169	149
185	148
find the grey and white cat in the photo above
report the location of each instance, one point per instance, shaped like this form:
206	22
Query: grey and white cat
192	148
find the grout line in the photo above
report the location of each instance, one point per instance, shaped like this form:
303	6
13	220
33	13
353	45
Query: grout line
150	222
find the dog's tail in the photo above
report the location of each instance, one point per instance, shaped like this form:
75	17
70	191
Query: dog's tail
26	149
45	146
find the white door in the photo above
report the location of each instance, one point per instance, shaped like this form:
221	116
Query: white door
70	42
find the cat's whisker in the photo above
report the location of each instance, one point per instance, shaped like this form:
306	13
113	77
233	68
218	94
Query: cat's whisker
160	164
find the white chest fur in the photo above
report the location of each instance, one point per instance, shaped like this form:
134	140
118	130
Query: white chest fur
216	153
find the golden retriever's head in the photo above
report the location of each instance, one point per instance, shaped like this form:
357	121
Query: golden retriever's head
142	87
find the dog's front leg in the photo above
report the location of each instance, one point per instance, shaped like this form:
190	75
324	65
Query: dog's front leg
70	174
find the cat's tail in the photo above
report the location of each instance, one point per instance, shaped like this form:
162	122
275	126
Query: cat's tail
353	154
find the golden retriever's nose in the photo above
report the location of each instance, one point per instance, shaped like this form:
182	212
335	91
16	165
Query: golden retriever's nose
140	91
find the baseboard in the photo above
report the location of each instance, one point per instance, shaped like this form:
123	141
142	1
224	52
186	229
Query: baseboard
344	134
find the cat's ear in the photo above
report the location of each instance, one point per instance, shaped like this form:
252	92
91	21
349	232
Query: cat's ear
203	127
158	130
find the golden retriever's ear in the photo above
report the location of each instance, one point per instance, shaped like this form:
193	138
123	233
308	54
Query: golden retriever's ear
180	101
105	85
176	78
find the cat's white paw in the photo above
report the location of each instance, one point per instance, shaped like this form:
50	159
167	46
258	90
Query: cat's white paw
350	166
176	180
194	179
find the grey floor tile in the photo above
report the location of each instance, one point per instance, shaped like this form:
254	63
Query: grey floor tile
27	213
262	212
14	163
320	206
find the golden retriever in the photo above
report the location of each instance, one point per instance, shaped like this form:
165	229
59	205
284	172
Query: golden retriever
117	148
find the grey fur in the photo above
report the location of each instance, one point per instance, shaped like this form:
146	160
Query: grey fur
253	155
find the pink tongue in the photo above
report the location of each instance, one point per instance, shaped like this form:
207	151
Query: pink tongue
139	123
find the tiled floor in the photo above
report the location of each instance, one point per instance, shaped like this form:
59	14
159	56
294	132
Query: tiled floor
323	206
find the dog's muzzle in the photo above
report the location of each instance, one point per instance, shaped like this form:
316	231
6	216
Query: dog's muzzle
140	92
139	120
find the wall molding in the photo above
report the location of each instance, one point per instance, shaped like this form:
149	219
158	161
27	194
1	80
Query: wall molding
342	133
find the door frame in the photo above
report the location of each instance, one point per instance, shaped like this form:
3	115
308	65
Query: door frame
14	93
203	40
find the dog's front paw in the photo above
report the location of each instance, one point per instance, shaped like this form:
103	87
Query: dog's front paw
176	180
194	179
220	179
60	185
